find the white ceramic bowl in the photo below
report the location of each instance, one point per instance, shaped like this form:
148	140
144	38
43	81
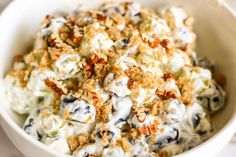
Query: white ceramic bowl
214	25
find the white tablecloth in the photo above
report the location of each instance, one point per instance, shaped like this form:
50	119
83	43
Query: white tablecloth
7	149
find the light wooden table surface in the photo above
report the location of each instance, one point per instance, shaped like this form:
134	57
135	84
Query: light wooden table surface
7	149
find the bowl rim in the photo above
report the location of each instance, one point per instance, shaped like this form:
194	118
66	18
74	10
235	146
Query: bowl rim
229	127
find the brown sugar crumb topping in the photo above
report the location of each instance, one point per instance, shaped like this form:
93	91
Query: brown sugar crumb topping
29	58
45	60
23	75
163	154
134	78
139	78
103	134
140	112
155	107
56	53
90	96
102	111
72	143
133	133
75	142
186	89
124	144
114	33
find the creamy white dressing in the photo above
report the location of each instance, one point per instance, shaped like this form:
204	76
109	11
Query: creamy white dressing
173	111
143	95
116	133
201	79
177	61
53	26
95	42
183	36
148	120
170	85
125	62
67	65
117	84
122	107
179	16
50	124
133	12
60	145
36	82
31	126
175	16
95	148
114	152
21	97
140	148
154	27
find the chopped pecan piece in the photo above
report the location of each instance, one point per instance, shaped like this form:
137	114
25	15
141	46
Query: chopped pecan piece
56	53
167	94
101	17
168	76
148	130
54	86
76	38
89	66
165	43
155	43
185	48
51	42
87	70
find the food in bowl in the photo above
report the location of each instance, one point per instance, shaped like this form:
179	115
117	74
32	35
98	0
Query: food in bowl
121	80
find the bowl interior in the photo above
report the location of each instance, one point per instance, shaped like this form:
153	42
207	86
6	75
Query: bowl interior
214	27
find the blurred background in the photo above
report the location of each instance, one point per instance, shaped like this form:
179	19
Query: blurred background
7	149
